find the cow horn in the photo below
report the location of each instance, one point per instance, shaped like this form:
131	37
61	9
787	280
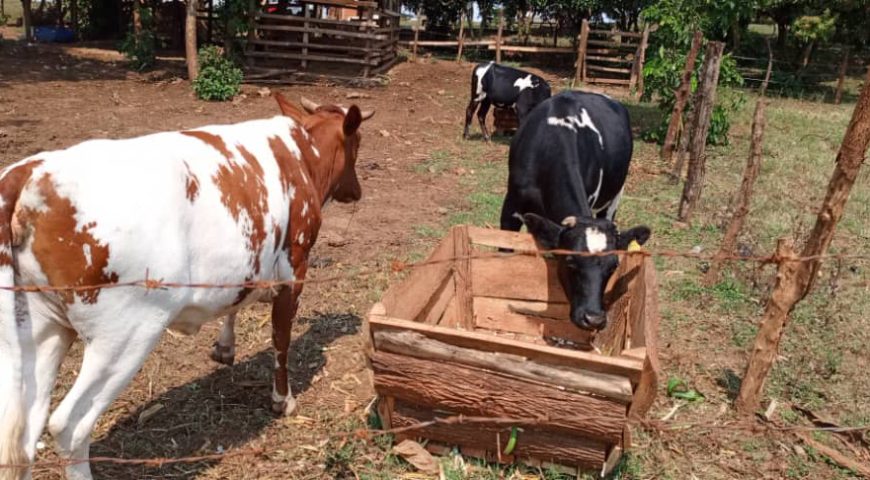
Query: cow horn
570	222
309	106
367	114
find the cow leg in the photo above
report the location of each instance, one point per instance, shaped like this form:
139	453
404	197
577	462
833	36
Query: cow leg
481	117
283	310
224	349
111	359
510	215
614	204
469	115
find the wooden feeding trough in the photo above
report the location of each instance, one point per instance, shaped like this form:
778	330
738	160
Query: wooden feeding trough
505	120
481	334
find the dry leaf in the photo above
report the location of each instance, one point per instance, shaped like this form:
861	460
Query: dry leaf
416	455
149	412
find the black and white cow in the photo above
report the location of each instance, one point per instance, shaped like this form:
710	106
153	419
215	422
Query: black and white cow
568	163
504	87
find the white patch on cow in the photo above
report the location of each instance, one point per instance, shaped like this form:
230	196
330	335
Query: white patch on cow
573	123
596	240
479	72
300	239
315	150
594	197
304	208
524	83
614	204
31	197
87	251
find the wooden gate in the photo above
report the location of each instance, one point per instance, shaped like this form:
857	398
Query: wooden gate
611	57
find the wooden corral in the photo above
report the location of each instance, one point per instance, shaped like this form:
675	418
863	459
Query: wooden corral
611	56
337	38
476	333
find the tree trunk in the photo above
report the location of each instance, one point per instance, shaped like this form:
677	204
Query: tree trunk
27	19
795	279
781	32
137	17
704	101
682	96
190	41
805	57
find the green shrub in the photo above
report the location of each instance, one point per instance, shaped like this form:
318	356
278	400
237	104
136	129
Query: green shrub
139	48
219	79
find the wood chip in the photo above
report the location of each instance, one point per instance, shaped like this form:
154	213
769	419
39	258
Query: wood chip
149	412
416	455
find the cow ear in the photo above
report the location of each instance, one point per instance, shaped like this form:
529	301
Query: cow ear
545	231
352	120
288	109
639	234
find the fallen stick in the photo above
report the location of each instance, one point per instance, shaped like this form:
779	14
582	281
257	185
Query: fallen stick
835	456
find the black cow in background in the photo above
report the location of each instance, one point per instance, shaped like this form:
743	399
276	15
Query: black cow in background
504	87
568	163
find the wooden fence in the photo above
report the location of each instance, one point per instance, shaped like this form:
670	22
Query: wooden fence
601	56
358	40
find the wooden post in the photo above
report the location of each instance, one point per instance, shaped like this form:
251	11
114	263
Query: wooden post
253	10
459	40
681	97
367	17
498	36
795	279
190	41
27	19
641	58
740	208
74	17
306	13
209	27
703	111
743	197
417	26
842	76
580	73
137	17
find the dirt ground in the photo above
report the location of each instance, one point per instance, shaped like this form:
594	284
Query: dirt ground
182	404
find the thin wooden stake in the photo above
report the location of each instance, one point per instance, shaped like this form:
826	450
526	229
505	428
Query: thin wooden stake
580	64
306	13
704	102
416	34
498	36
190	50
682	96
740	207
795	279
460	39
641	58
842	76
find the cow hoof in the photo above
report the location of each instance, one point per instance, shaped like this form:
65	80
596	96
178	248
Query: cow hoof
284	408
224	355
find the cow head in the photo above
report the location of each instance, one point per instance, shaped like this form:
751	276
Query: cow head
584	278
335	132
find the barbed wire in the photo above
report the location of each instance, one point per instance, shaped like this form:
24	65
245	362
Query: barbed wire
398	266
367	434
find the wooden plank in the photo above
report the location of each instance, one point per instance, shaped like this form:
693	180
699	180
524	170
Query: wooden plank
491	237
408	298
544	354
471	391
598	68
517	278
300	56
645	393
323	31
532	443
450	318
536	319
309	45
613	81
447	43
582	48
612	460
622	295
533	49
607	43
462	276
608	59
311	20
615	33
437	305
416	345
637	352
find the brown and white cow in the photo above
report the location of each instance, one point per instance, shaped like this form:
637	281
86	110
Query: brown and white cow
225	204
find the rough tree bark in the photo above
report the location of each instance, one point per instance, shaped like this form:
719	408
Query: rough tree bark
190	41
796	278
841	77
682	95
27	19
704	102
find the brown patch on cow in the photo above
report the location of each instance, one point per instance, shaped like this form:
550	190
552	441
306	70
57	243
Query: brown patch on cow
191	184
68	256
243	190
215	141
287	163
276	233
10	188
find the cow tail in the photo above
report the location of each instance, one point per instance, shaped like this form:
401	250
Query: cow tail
13	415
